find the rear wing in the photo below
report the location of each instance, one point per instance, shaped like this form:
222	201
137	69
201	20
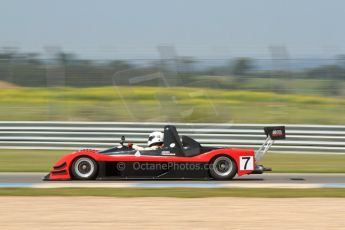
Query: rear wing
272	133
275	132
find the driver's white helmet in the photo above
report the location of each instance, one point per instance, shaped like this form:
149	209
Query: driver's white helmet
155	138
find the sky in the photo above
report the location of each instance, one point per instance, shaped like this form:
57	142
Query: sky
133	29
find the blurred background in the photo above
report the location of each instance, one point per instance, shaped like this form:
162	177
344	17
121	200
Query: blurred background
65	66
218	62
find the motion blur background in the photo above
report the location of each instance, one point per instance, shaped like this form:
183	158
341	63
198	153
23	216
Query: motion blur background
177	61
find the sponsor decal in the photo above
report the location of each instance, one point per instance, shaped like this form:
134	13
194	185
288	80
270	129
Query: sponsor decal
277	133
168	153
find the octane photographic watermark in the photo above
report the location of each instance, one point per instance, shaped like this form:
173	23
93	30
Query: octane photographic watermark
121	166
166	166
165	77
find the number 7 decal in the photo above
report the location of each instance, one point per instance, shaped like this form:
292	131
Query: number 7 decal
247	163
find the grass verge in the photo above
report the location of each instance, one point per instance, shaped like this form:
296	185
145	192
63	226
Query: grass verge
173	104
29	160
305	163
43	160
175	192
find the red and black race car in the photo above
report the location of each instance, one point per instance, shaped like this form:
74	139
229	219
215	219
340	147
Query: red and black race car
179	158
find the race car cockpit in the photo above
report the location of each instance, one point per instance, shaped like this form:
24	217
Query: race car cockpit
173	145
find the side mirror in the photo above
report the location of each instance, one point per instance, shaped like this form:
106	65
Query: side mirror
122	140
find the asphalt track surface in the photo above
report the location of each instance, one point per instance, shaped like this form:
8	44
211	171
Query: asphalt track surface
271	180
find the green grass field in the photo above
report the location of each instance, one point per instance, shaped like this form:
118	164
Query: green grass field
43	160
180	104
283	84
175	192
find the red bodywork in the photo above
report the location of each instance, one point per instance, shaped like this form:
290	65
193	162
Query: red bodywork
61	170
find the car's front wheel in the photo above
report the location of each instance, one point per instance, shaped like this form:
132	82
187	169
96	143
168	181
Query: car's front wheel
223	168
84	168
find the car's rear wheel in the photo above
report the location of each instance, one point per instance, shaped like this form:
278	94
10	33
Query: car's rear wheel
223	168
84	168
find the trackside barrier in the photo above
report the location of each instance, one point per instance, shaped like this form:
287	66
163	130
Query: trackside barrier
100	135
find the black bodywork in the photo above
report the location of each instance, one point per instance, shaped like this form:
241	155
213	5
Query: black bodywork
173	146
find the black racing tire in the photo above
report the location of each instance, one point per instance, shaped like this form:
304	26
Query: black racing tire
84	168
223	168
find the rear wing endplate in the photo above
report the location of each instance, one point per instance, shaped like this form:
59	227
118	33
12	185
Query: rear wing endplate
272	133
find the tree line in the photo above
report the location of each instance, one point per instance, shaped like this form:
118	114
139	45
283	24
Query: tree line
65	69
